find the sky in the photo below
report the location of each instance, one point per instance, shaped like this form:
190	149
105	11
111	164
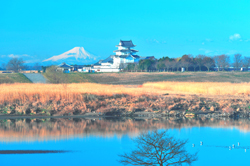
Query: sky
38	30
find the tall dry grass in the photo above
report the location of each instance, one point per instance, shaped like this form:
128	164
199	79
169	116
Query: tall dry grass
210	88
22	92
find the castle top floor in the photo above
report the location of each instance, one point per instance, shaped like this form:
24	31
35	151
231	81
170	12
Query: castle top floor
125	44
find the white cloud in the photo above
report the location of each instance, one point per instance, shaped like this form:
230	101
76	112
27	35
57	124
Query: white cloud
206	50
156	41
32	61
231	52
236	36
17	56
13	56
209	40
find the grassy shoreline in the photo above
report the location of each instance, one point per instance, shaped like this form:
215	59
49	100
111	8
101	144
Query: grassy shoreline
163	98
124	94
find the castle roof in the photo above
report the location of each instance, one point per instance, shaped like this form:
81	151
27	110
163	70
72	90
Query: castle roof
135	56
125	56
126	43
126	50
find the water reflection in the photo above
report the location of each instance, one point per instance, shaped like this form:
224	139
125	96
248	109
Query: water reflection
31	151
63	128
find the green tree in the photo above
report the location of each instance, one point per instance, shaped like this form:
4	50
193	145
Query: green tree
146	64
161	65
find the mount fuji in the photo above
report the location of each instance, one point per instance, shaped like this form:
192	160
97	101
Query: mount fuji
75	55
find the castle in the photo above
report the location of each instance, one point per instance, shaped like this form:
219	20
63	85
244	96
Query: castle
124	55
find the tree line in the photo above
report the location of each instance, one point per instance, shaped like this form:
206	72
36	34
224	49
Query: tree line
18	64
191	63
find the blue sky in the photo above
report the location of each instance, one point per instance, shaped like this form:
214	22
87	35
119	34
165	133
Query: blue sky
41	29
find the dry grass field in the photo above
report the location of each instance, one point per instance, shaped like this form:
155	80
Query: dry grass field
138	78
73	92
70	92
207	88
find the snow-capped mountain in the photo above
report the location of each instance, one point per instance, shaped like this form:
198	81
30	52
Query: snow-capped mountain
75	55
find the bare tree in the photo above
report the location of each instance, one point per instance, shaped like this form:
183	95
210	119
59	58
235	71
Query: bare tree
185	64
224	61
122	66
199	60
168	64
174	65
37	66
221	61
208	62
15	64
246	62
195	64
136	66
186	61
3	67
237	61
158	148
216	61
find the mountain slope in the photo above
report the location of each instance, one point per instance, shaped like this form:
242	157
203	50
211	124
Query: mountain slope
76	53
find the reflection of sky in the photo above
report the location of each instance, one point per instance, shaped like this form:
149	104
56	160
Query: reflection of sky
103	151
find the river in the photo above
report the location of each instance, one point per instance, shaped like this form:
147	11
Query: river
98	141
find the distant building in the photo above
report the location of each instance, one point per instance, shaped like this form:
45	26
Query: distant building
125	54
77	67
65	67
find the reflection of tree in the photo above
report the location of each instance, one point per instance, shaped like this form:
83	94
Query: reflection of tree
43	129
158	148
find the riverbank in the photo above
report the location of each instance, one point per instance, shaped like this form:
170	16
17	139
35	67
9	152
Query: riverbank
150	99
172	105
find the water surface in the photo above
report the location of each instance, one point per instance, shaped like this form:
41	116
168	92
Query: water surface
99	141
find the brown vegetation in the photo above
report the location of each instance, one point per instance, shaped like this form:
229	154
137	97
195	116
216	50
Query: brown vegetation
120	100
210	88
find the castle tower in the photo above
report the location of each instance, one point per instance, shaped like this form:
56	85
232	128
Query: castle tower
124	48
